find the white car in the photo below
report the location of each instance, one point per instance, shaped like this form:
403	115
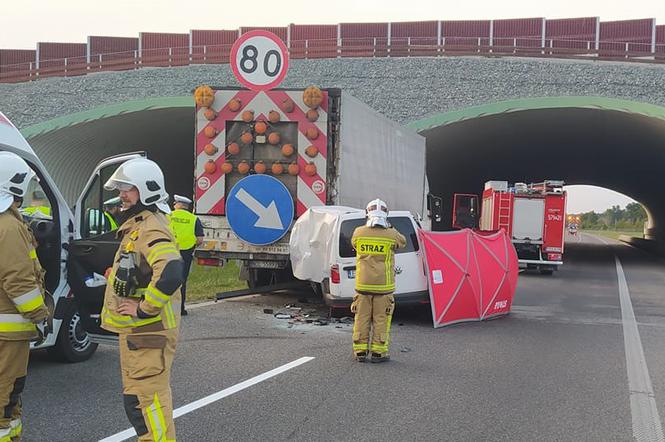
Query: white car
329	248
72	248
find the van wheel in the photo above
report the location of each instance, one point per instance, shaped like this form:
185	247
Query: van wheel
73	343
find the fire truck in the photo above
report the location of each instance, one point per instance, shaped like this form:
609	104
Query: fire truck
533	215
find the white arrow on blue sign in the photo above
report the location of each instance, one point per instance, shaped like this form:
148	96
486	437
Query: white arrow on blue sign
259	209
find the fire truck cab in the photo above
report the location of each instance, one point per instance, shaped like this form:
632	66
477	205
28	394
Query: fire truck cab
533	215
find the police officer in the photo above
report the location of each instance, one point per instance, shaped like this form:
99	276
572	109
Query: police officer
112	207
375	244
21	293
143	285
188	232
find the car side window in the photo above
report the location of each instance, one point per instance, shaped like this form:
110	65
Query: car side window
97	217
36	203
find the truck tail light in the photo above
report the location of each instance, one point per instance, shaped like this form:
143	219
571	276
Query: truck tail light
334	274
554	256
210	262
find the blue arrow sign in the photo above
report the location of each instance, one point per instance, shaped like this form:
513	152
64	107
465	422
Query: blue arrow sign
259	209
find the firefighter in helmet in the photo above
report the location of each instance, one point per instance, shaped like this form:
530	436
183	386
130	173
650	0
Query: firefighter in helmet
22	309
373	305
143	288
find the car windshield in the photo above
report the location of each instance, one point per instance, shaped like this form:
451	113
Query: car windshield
403	225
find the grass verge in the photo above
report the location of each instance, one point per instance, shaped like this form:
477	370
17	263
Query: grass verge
205	282
615	234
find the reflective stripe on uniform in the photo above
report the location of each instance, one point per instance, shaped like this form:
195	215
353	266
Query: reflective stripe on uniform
126	321
379	288
160	250
32	254
170	316
13	322
156	297
16	428
29	301
6	435
157	421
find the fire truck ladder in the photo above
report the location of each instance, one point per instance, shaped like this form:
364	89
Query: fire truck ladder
505	212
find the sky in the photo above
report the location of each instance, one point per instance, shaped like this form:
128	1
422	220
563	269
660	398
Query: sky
590	198
25	22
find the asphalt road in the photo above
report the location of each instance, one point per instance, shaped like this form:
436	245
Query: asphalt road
553	370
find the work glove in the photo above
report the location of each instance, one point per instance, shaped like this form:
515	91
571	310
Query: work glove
125	280
43	330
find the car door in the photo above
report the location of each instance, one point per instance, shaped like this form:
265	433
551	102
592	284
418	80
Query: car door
95	243
410	276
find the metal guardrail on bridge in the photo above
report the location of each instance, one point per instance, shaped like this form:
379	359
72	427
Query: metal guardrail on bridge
342	48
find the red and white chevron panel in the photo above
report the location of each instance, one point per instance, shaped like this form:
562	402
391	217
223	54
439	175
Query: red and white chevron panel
210	187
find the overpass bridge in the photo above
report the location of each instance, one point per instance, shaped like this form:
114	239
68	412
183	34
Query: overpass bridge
515	119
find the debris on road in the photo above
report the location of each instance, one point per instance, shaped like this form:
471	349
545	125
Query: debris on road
268	311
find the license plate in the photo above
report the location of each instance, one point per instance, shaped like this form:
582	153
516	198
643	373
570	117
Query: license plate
351	274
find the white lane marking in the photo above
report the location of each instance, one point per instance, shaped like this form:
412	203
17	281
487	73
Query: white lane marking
646	421
130	432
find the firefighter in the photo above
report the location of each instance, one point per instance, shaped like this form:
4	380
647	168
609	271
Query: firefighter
143	286
188	232
373	305
22	308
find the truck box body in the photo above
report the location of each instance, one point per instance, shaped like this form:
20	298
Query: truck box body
359	156
533	216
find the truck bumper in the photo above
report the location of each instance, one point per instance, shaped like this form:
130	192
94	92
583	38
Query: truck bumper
540	262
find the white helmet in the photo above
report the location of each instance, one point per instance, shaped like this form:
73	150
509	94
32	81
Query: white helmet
147	177
377	213
15	178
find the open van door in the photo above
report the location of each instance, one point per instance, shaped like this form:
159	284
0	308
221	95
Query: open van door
94	244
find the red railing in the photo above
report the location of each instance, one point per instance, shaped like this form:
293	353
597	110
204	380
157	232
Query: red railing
332	48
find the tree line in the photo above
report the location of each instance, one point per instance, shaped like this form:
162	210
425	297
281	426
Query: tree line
632	218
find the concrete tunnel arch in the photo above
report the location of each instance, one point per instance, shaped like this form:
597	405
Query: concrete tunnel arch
611	143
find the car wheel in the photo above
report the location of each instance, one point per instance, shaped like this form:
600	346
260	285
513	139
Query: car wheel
73	343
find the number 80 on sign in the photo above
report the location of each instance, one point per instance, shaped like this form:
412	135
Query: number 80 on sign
259	60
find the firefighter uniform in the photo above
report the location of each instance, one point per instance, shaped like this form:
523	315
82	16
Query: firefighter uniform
21	307
186	228
148	341
373	303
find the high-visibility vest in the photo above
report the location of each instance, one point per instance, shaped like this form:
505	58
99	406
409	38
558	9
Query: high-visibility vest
31	210
183	225
112	223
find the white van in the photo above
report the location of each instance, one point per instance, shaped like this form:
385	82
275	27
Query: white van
72	247
321	252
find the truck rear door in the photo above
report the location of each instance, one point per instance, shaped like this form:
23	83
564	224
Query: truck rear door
528	220
95	243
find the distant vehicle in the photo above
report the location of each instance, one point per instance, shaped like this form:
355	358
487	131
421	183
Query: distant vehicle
533	216
572	229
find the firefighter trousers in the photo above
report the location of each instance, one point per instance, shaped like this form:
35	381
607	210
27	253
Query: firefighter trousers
372	313
13	370
145	362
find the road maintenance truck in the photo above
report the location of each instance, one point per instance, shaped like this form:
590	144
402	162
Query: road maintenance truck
533	215
264	157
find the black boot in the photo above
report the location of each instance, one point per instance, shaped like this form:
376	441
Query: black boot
361	356
377	357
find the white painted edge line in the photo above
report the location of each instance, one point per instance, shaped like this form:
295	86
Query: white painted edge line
646	421
130	432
